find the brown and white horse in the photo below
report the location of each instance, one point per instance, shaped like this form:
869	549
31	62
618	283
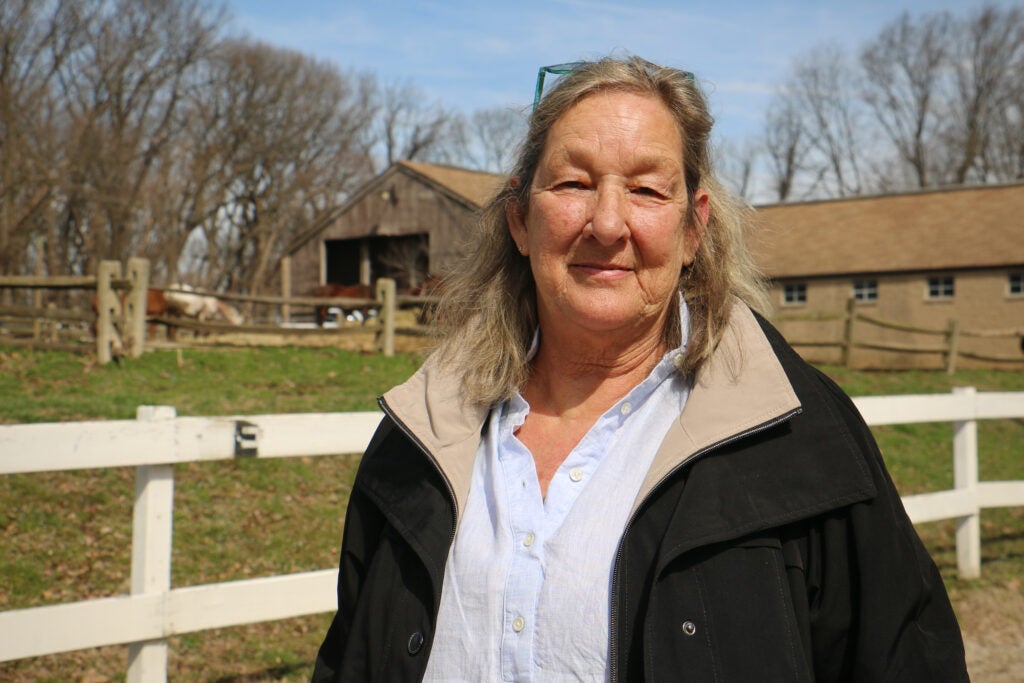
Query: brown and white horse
156	306
183	300
332	290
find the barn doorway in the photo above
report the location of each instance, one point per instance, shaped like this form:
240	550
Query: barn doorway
341	261
405	258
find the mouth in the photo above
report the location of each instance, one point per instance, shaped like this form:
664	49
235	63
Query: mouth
601	269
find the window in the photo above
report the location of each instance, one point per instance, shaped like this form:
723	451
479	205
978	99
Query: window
865	290
1015	284
940	287
794	294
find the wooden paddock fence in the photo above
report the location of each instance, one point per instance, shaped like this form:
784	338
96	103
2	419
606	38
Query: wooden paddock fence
120	331
948	345
158	439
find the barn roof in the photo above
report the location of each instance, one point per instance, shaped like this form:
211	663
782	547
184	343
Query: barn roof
472	189
475	186
945	229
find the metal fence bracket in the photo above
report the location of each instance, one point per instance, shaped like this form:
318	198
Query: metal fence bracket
247	437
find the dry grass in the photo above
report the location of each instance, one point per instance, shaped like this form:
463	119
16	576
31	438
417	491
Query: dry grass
65	536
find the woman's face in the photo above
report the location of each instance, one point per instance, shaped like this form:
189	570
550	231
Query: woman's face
605	229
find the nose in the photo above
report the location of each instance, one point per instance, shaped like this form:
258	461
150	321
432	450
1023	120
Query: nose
608	220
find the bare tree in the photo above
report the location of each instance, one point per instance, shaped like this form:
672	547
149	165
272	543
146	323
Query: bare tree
487	140
736	162
122	91
35	41
129	127
904	68
785	143
410	127
1004	157
946	103
824	99
277	141
988	63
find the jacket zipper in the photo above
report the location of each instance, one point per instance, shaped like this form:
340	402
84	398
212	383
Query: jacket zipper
430	456
613	617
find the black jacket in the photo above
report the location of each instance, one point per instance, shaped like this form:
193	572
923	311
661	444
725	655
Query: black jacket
768	543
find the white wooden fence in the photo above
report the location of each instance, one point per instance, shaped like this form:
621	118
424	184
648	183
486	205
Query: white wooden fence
158	439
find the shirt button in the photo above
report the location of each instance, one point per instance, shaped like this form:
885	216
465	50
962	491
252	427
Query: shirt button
626	408
518	624
529	539
689	628
576	474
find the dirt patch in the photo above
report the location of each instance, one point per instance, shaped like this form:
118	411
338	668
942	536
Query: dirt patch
992	622
349	340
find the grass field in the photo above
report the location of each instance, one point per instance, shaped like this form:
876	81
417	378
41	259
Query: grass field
66	536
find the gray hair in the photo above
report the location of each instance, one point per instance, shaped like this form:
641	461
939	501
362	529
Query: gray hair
488	312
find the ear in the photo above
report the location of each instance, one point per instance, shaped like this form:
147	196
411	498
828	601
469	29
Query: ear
516	222
695	232
701	207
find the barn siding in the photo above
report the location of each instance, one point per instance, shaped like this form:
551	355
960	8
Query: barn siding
981	302
397	203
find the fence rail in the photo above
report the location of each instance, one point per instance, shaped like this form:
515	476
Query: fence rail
120	316
948	348
158	439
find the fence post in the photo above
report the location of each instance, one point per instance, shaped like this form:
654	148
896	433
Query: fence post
952	344
107	307
965	478
37	293
286	288
386	292
135	307
151	550
51	323
851	312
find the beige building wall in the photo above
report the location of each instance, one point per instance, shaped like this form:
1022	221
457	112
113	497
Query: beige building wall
981	302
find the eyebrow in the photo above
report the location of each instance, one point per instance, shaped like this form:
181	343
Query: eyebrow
642	163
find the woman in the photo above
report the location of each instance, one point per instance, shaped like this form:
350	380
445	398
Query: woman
612	468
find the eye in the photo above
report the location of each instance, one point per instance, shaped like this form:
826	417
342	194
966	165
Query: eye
571	185
645	191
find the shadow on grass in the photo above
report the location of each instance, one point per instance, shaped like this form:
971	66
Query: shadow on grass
274	673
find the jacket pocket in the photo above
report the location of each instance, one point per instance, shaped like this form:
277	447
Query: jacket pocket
391	621
724	613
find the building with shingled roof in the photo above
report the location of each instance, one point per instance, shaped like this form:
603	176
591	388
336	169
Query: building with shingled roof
921	259
407	223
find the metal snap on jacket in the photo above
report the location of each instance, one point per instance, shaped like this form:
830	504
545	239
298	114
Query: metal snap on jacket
415	642
689	628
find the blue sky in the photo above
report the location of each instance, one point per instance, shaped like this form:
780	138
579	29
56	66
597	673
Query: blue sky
473	55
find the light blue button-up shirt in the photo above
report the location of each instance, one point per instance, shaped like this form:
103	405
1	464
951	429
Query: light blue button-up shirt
526	590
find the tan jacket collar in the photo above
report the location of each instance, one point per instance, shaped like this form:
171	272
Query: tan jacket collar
432	406
741	387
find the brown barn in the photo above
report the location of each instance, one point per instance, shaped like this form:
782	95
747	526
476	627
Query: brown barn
920	259
407	223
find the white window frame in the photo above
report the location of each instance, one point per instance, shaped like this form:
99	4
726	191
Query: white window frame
794	294
1015	284
866	290
940	288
